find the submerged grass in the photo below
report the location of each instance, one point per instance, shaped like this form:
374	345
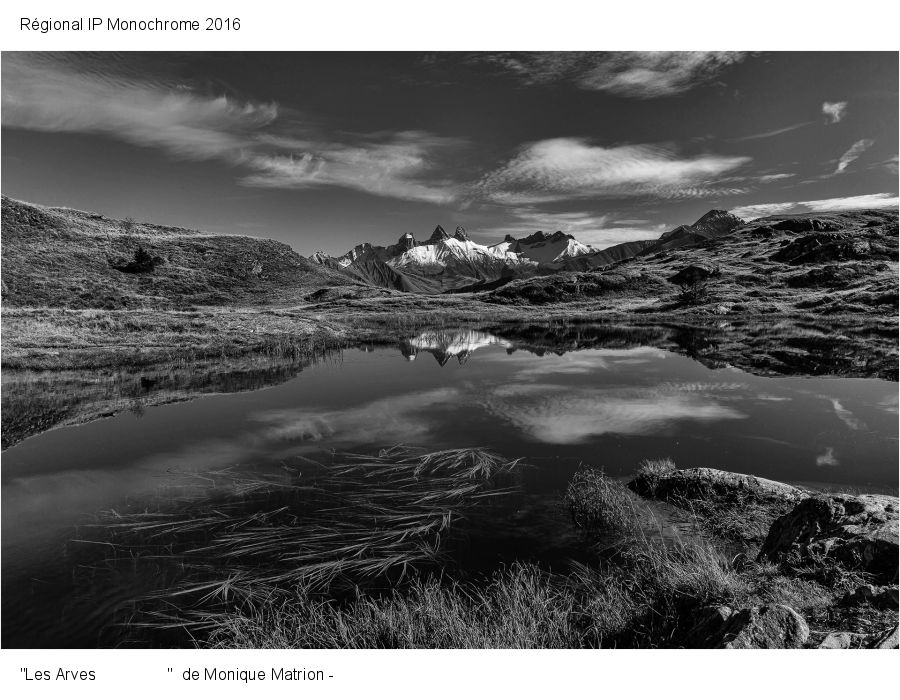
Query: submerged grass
359	518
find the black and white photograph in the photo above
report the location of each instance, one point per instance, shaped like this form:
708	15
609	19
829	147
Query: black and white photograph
450	350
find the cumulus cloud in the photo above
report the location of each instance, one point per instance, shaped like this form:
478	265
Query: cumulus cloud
879	200
834	111
636	74
827	459
571	168
46	95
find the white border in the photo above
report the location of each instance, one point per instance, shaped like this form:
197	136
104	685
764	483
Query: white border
472	25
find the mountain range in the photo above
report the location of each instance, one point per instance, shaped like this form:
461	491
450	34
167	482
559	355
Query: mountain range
454	263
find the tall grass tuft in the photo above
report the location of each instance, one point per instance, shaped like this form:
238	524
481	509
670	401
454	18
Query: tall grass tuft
599	504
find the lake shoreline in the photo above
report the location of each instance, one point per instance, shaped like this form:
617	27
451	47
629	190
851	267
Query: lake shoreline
723	586
56	339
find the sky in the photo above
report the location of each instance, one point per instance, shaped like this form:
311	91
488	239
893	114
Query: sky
327	150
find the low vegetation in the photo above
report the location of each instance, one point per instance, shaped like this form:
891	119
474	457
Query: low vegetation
352	554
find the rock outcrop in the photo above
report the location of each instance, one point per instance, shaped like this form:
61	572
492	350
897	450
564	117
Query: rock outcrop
713	484
764	627
692	274
859	532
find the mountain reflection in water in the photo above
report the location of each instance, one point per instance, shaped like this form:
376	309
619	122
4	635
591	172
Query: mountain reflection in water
447	344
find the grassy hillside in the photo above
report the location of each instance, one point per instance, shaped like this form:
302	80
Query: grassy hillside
835	263
55	257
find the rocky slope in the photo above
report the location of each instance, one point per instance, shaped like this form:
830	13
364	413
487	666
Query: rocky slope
54	257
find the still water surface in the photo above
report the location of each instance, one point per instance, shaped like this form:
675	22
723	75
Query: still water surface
602	407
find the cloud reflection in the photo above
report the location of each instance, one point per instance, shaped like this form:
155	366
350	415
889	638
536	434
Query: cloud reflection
564	415
393	419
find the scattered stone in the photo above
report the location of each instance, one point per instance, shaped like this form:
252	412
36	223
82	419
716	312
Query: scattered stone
889	640
768	627
765	627
837	640
859	532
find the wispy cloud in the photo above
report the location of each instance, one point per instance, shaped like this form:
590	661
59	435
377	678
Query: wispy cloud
400	166
46	95
386	421
852	153
636	74
773	132
834	111
595	229
572	168
561	415
846	416
879	200
40	95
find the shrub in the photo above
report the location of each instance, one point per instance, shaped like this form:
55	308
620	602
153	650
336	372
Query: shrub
694	292
141	262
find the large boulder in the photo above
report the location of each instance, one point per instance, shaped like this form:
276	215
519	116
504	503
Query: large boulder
692	274
764	627
712	484
823	248
859	532
801	225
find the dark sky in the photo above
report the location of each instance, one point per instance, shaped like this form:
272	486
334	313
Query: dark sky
327	150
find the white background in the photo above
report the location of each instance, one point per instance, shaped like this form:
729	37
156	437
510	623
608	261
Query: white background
471	25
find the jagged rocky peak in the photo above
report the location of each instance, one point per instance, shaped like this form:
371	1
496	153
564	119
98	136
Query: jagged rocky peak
536	237
439	234
508	238
407	241
460	234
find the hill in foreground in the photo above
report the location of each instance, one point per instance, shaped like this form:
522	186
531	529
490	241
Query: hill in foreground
56	257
